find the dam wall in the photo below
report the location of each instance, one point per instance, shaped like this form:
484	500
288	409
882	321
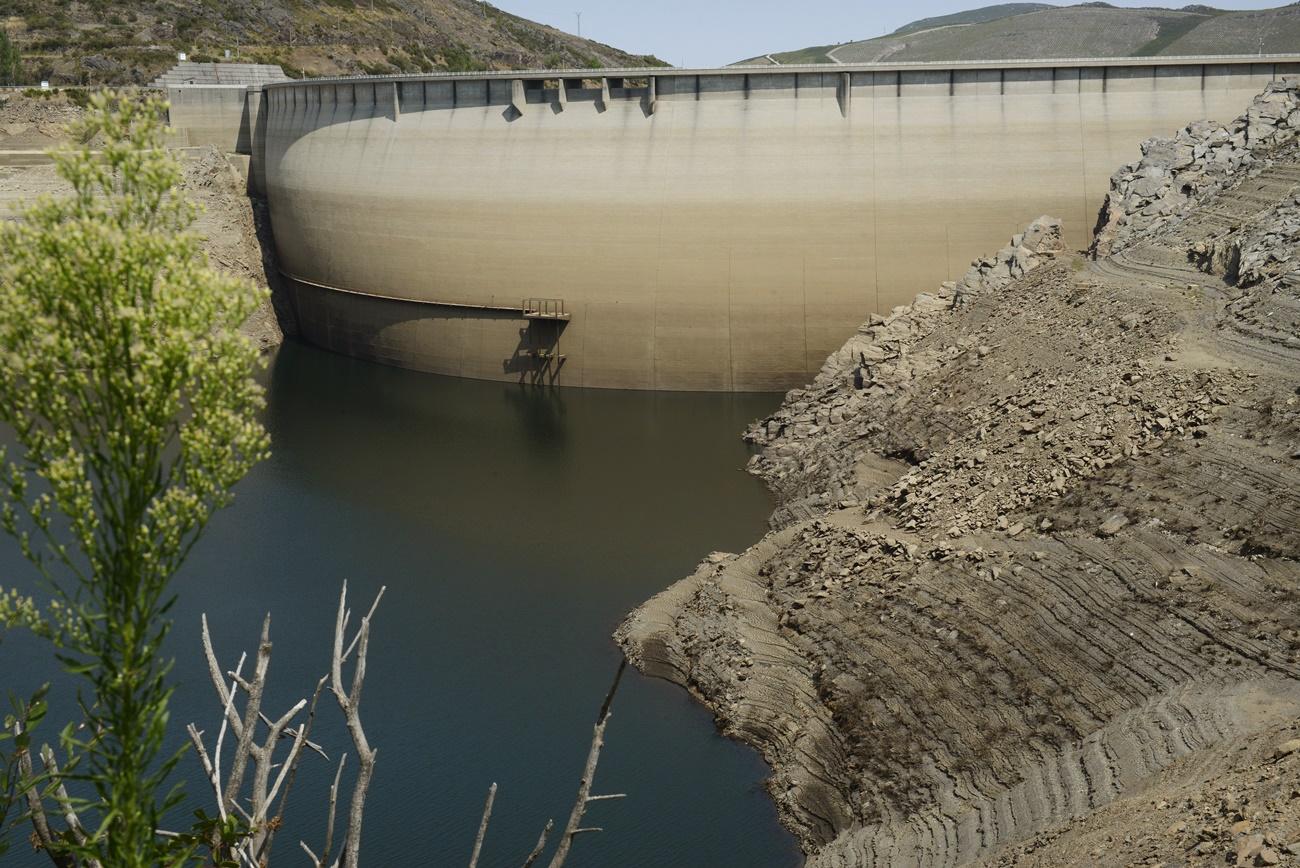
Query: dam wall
686	229
221	115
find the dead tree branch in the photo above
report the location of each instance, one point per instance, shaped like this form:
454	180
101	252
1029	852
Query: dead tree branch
30	785
574	827
321	860
541	844
36	806
349	702
61	798
304	730
255	849
483	826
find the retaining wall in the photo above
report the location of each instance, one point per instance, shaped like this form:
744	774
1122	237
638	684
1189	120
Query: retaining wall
212	115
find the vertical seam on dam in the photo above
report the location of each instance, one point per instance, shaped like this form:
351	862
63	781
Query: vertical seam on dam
875	212
731	352
1083	153
803	283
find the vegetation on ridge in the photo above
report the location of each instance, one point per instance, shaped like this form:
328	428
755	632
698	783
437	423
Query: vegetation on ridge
132	41
10	60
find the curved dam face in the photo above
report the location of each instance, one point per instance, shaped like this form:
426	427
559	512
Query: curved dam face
687	229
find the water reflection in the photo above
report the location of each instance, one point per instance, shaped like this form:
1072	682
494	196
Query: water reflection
513	527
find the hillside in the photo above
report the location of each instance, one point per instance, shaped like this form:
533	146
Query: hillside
972	16
1032	30
132	41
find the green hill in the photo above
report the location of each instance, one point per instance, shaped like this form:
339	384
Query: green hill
972	16
1035	30
132	41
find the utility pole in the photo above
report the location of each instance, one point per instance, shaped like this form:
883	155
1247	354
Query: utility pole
579	16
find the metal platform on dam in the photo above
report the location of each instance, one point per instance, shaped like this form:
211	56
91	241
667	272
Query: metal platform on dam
719	229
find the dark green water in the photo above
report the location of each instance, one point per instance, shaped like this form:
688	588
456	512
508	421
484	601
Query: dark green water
513	527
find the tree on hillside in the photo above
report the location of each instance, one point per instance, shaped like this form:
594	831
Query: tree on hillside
10	61
130	394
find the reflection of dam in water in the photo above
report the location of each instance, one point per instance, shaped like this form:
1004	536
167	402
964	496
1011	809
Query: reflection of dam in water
710	229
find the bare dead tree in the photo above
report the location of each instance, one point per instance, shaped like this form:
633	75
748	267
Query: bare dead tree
574	828
63	801
262	793
260	802
349	703
41	832
322	860
277	821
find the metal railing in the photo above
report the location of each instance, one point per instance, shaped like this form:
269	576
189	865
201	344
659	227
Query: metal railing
544	308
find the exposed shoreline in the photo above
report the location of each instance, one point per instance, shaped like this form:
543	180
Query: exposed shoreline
1035	546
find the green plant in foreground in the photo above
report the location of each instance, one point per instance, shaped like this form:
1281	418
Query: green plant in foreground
130	397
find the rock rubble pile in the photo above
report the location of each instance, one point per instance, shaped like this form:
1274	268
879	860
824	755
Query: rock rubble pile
882	359
1266	250
37	122
1175	174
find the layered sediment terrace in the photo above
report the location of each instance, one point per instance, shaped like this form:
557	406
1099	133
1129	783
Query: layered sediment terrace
721	229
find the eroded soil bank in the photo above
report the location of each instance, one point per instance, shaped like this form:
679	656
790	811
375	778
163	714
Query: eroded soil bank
1031	595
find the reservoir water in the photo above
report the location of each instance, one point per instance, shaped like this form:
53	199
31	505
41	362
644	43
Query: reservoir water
513	527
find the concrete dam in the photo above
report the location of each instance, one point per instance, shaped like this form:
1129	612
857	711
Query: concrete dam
721	229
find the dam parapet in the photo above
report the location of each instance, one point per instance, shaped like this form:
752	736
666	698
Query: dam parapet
721	229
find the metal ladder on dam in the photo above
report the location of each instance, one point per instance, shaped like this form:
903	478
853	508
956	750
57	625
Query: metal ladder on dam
546	318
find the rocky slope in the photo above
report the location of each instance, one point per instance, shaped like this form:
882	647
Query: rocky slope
1015	31
132	41
1032	596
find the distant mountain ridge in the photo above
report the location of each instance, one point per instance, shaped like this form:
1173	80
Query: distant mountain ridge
1038	31
133	41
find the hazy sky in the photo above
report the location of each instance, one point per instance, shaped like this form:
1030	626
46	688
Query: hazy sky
717	32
